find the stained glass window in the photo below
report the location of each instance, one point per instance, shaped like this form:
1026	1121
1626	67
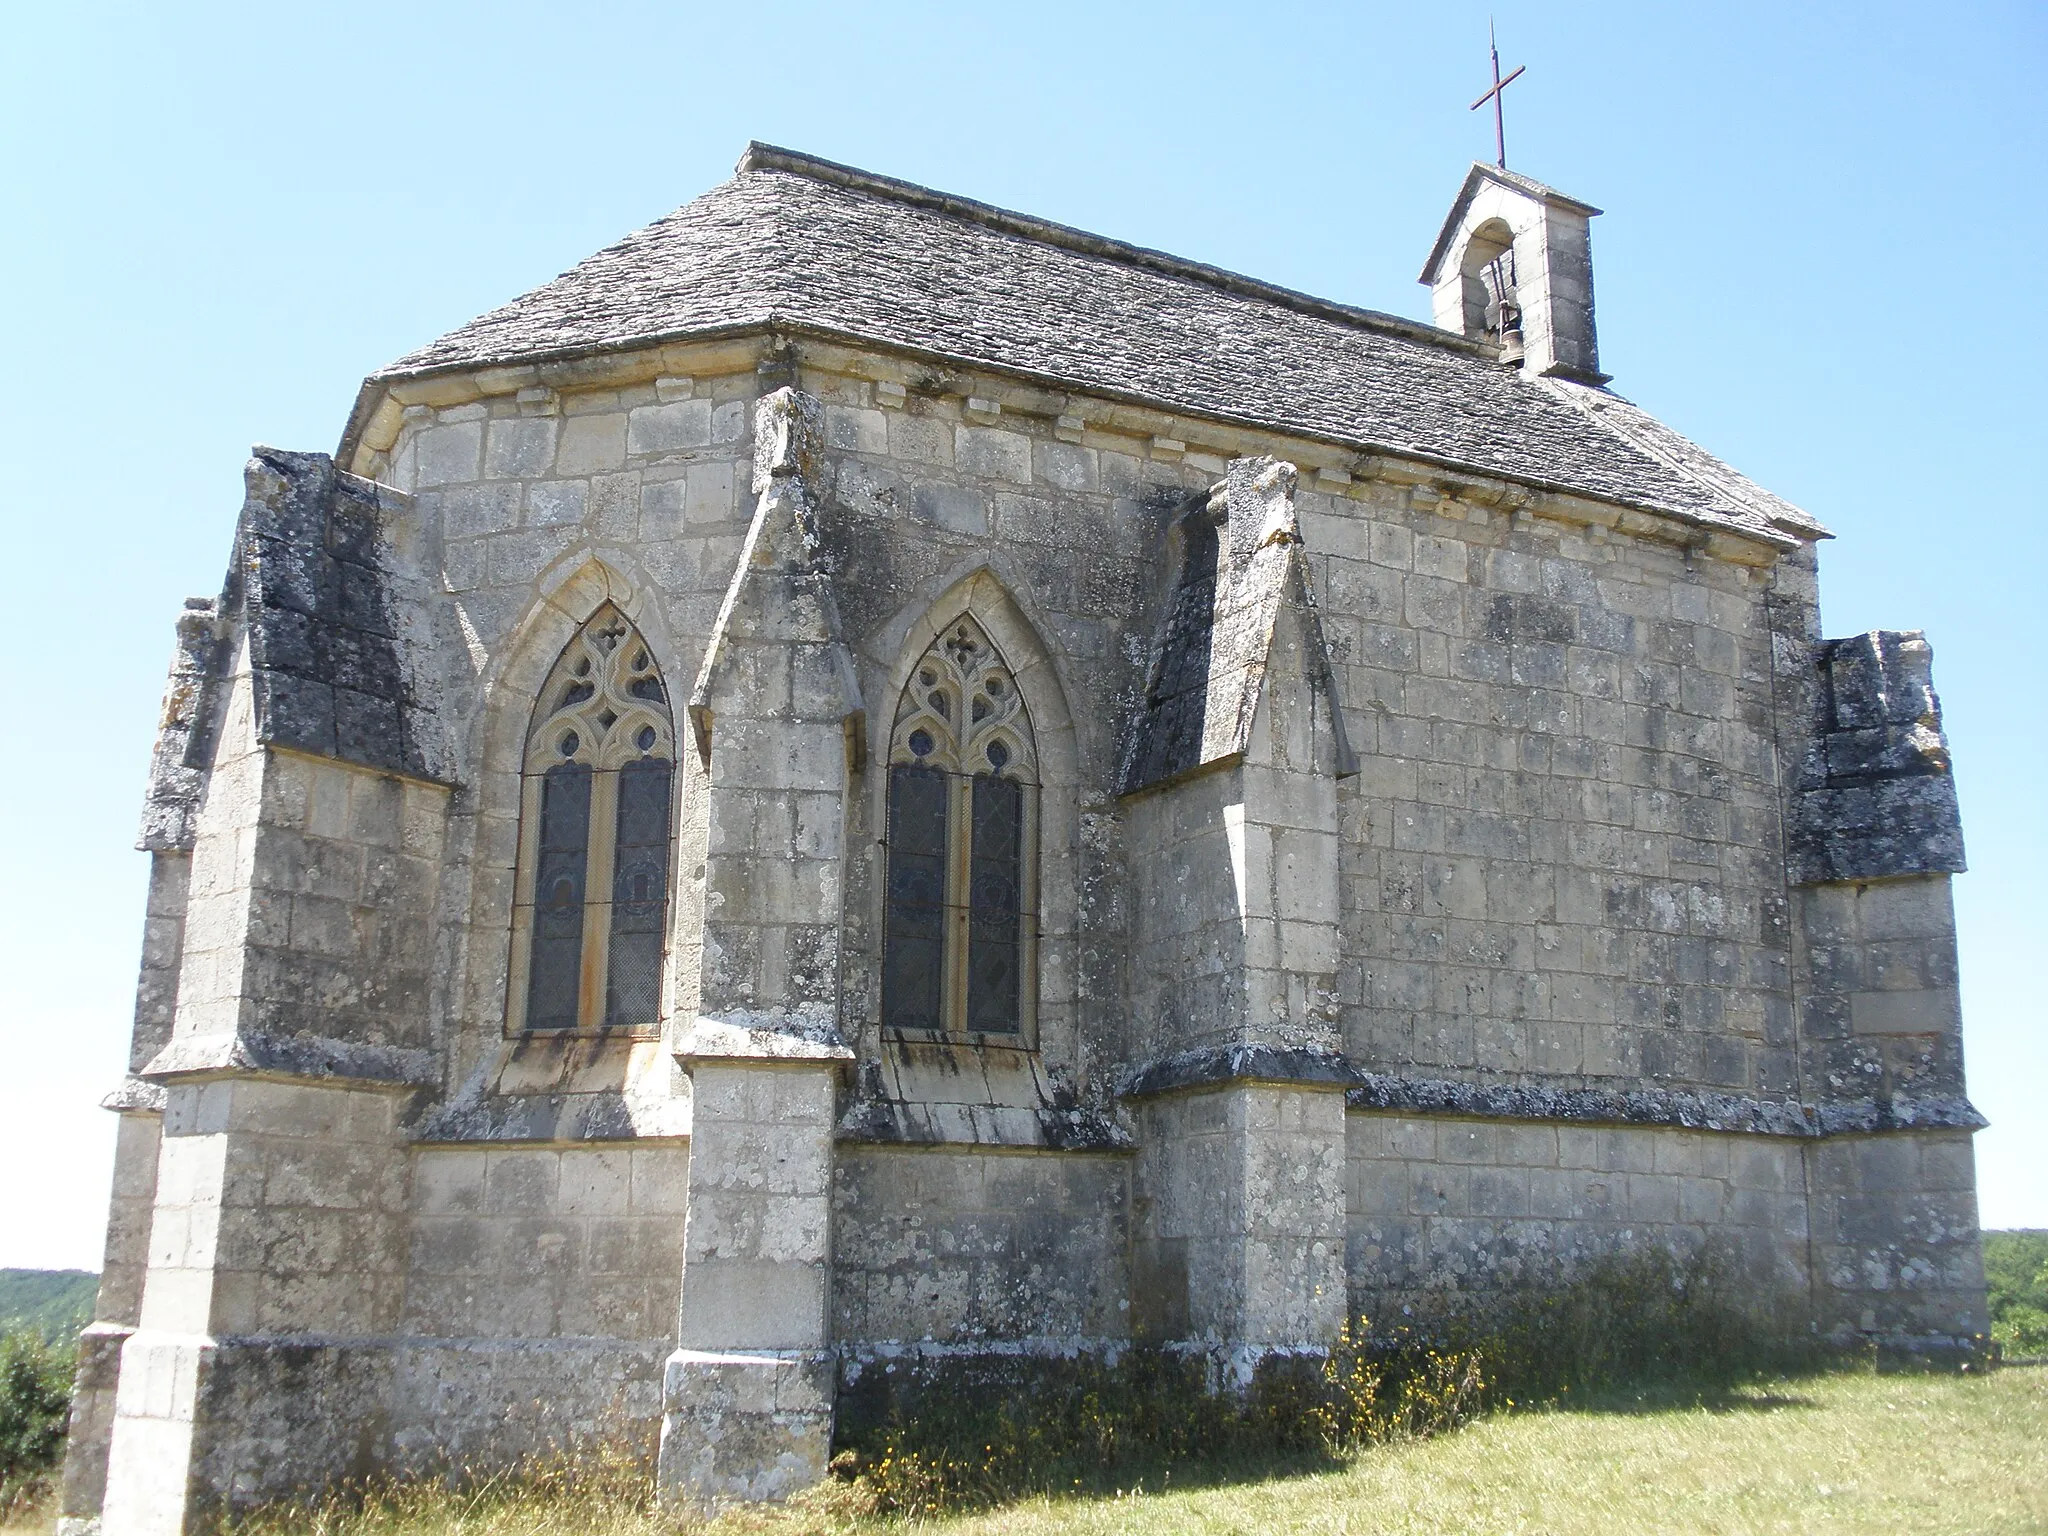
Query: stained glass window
914	954
591	915
639	893
960	924
995	903
563	859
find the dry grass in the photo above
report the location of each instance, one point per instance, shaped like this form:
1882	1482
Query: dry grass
1840	1453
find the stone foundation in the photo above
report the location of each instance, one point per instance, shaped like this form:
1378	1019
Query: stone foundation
745	1426
956	1245
1475	1207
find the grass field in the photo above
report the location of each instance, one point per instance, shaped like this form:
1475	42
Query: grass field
1833	1454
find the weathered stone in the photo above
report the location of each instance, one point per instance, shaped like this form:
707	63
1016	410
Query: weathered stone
1392	891
1876	798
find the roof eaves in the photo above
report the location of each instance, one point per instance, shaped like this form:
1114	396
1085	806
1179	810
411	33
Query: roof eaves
1686	459
1743	522
382	380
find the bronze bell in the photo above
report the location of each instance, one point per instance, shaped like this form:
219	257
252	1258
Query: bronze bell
1510	334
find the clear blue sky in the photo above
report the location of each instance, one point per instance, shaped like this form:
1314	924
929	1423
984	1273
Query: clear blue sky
1821	258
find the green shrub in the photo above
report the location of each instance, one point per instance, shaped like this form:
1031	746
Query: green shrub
2016	1278
35	1399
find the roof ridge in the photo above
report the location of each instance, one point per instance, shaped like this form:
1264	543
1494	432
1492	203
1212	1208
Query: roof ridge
761	157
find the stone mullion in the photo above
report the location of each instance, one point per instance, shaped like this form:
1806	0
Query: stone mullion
959	854
597	898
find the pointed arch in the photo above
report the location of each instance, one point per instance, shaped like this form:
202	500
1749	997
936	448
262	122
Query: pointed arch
962	710
982	595
596	815
521	657
962	822
994	598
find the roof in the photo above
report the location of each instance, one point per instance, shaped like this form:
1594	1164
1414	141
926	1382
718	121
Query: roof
805	246
1479	175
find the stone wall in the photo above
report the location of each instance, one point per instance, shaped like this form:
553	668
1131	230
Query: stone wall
279	1210
1239	1217
90	1430
1895	1242
340	939
541	1242
1563	857
960	1247
1562	861
307	932
532	511
163	946
1188	941
1442	1208
540	1300
650	481
276	1253
1880	1012
1896	1250
125	1256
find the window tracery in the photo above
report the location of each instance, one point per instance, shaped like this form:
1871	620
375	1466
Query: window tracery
597	786
962	827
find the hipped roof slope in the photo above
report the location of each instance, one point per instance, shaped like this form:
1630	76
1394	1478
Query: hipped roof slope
804	245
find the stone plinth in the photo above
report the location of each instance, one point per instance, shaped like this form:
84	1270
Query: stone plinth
747	1399
745	1425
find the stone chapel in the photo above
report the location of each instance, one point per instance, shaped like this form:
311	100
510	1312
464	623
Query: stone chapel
864	775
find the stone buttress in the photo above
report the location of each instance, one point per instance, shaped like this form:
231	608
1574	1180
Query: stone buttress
1236	1079
1875	836
747	1400
167	835
276	1250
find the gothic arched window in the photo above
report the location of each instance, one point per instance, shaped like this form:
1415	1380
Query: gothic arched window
963	825
590	914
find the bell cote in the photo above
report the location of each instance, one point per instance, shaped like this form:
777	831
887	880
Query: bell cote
1514	265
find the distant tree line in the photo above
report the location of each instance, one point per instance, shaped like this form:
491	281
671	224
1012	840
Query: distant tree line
2016	1268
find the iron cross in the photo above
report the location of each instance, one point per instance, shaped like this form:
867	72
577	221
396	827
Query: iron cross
1500	132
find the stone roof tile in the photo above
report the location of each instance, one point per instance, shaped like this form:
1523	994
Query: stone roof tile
313	576
805	245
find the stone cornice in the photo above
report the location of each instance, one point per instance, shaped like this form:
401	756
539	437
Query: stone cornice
294	1058
1679	1109
374	421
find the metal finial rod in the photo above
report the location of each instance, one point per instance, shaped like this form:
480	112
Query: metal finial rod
1500	130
